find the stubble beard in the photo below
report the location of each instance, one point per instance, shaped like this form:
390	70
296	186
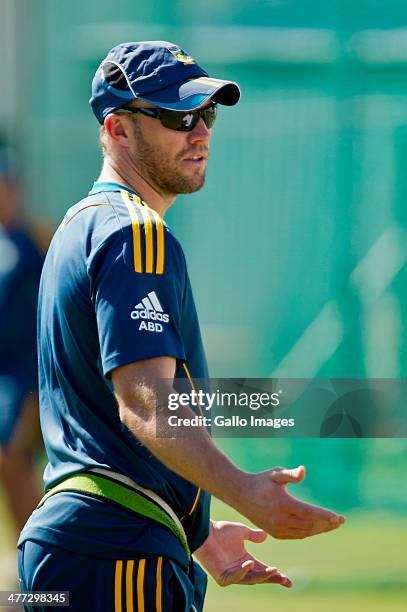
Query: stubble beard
155	167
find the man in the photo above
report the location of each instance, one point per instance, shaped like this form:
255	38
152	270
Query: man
20	269
126	509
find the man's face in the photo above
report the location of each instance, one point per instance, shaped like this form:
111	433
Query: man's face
173	162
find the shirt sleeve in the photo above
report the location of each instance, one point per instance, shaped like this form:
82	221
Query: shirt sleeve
138	314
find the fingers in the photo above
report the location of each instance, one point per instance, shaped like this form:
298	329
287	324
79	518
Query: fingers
314	513
293	516
256	535
236	576
279	578
294	522
247	575
289	533
311	527
285	476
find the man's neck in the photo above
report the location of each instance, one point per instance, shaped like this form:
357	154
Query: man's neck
155	200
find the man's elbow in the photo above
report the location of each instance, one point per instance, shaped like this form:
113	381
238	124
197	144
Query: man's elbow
137	405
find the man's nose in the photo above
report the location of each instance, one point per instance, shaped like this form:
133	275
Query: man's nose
200	132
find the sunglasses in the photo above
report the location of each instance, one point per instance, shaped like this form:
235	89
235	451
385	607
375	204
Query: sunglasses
181	121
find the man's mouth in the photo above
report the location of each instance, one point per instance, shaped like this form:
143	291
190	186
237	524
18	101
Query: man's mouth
195	159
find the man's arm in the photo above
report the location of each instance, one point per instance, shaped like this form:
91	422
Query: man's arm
261	497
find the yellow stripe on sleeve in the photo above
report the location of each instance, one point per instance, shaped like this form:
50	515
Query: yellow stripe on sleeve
118	587
148	230
159	226
135	224
129	586
159	268
140	585
159	586
191	382
198	495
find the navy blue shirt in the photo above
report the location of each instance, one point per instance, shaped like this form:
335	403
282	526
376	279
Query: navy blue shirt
114	290
20	269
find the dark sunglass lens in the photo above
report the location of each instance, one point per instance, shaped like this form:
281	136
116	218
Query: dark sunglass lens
189	121
185	122
170	119
209	116
176	120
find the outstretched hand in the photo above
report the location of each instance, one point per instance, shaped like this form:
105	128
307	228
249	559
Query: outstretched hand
269	506
226	559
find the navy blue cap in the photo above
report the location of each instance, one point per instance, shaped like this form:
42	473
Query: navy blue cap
158	72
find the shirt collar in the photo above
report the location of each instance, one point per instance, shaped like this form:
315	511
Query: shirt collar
99	186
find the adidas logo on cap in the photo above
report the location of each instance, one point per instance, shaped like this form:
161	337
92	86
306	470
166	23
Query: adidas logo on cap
151	313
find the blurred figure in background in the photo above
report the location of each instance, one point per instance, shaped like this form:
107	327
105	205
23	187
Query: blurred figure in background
20	268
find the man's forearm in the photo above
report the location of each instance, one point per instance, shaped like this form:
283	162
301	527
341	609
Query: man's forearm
261	496
193	456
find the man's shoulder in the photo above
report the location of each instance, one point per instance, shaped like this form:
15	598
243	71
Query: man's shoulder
87	208
85	228
121	218
150	245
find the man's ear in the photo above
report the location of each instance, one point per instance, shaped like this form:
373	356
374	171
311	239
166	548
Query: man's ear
117	128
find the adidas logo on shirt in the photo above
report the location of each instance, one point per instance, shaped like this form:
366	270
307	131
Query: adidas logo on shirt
151	313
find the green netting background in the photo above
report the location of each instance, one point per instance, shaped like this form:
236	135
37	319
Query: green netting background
297	244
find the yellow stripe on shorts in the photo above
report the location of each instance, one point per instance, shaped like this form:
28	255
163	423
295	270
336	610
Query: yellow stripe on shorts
159	586
118	587
129	586
140	585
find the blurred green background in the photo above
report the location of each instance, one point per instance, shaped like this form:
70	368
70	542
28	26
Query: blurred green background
296	246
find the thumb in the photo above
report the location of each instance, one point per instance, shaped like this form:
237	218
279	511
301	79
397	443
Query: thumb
284	476
256	535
